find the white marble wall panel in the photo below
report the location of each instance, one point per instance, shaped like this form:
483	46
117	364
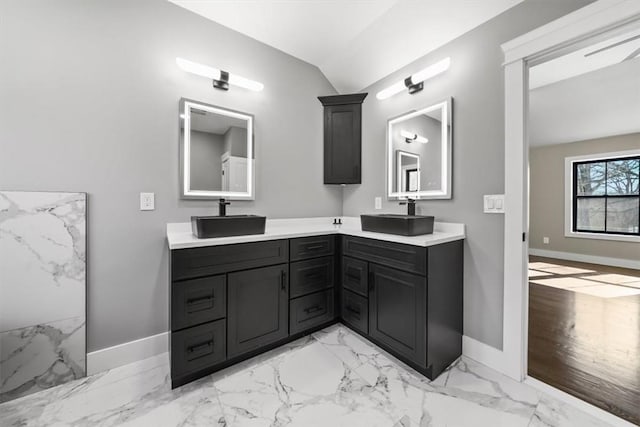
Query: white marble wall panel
42	290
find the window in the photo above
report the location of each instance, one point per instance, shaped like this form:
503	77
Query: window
605	196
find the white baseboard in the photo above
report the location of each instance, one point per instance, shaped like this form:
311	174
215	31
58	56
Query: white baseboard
483	354
592	259
583	406
129	352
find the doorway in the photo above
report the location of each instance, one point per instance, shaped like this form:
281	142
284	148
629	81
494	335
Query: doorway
587	26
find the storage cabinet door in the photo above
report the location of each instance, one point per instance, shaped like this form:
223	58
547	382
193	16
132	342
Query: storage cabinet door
258	308
342	127
397	311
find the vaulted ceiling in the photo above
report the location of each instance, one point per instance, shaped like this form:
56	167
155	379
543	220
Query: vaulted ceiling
354	42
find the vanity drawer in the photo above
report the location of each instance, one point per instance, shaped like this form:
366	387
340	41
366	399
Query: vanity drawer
354	275
197	348
198	301
311	310
403	257
311	276
206	261
355	311
312	247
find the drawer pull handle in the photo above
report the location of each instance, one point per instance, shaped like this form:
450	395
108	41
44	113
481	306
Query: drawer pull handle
283	280
313	309
191	301
198	347
313	247
356	313
313	276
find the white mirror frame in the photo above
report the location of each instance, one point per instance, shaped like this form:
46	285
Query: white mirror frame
445	159
185	154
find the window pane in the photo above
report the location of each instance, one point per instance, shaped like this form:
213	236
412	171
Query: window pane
590	214
622	214
622	177
591	179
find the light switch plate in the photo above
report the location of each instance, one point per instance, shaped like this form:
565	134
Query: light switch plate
378	202
494	203
147	201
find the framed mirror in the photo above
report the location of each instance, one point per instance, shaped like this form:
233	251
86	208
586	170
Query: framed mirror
419	153
216	152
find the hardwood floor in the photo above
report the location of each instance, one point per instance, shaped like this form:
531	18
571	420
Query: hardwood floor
585	339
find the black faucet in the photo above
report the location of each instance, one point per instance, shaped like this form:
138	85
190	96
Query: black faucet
222	207
411	207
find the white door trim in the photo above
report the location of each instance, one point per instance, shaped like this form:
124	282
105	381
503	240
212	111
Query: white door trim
592	20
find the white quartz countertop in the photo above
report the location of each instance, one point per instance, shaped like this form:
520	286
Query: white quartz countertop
179	235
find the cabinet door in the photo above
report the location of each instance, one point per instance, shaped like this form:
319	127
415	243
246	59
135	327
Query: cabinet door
258	308
342	128
397	312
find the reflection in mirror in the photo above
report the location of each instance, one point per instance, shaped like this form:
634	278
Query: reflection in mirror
217	158
408	167
419	153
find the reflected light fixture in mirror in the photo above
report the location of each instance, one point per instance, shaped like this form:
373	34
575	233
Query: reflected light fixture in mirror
411	137
414	83
221	79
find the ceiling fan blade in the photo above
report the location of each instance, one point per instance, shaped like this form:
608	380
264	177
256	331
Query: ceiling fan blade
632	55
613	45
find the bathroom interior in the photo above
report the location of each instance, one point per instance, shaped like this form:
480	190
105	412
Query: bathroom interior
319	213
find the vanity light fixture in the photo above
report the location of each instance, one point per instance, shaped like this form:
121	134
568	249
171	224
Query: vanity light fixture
410	137
415	82
221	79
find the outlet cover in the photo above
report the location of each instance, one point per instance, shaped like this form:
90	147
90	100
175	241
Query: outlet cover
147	201
378	202
545	240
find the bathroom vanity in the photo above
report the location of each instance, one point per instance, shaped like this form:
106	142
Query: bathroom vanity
235	297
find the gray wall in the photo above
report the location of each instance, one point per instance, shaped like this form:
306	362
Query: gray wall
547	198
206	161
89	93
235	141
475	81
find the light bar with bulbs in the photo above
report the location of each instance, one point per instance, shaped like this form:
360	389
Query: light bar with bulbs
414	83
221	79
411	137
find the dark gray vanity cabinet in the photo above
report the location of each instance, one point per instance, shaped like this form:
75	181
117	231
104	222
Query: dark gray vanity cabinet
232	302
405	298
342	138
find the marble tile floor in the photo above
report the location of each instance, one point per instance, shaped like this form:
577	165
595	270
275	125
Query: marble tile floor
332	378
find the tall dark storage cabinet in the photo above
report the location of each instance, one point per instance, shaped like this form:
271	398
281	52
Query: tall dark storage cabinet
342	138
